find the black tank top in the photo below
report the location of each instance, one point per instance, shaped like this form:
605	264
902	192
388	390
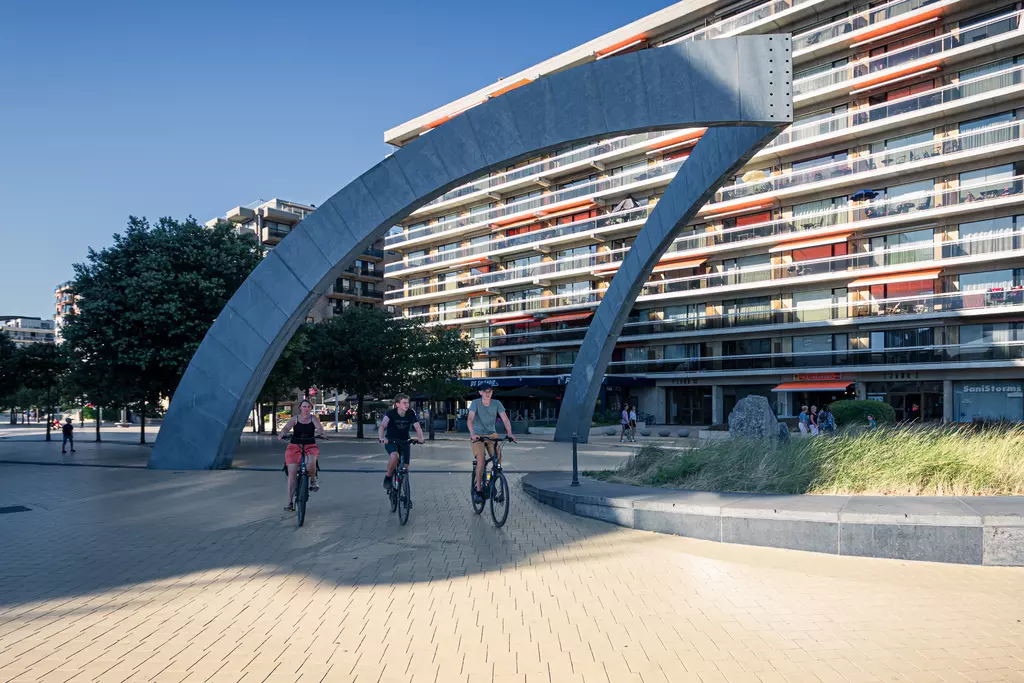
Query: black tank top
304	433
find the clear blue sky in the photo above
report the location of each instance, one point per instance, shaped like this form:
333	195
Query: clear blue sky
179	107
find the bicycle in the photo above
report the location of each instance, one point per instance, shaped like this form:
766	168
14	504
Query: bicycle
400	493
302	485
495	485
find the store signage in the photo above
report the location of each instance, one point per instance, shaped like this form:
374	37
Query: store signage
1008	389
901	375
818	377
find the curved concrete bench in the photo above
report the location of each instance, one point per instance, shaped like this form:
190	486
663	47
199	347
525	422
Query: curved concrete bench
966	530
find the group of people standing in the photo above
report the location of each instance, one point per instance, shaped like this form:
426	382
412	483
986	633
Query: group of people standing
816	421
628	424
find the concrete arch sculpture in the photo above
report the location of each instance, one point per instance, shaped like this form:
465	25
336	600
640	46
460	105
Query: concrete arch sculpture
743	81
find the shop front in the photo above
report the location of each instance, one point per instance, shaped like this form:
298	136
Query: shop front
812	390
988	401
912	401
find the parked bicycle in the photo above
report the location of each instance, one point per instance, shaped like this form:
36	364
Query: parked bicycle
400	493
495	486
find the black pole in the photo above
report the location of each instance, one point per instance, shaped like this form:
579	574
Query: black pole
575	472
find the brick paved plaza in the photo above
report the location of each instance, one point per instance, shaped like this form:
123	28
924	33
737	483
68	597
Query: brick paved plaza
134	575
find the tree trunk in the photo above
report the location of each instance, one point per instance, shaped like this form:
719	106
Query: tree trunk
430	419
259	412
254	419
49	422
359	416
142	423
273	420
81	418
99	420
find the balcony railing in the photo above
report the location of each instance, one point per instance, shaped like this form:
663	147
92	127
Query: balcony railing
908	355
973	87
736	23
364	272
841	27
547	165
989	29
980	139
482	219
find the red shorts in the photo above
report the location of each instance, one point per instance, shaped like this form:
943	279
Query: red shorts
293	454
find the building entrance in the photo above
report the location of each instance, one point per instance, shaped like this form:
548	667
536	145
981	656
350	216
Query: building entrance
912	401
688	405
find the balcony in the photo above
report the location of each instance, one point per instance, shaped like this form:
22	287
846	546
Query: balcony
373	253
994	140
849	124
241	214
771	13
537	207
904	63
363	271
272	235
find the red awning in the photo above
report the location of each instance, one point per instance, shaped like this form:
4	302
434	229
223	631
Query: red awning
566	317
513	321
905	276
813	386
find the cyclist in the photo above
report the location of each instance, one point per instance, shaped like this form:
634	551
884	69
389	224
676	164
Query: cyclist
395	427
307	428
483	414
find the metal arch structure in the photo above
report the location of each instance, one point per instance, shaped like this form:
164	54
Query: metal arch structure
736	83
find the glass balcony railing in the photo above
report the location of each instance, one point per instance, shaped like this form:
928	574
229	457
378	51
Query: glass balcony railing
986	30
986	137
738	22
611	221
907	355
547	165
841	27
585	190
973	87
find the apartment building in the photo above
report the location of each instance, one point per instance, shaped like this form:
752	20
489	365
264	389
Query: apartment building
873	250
24	331
361	284
65	303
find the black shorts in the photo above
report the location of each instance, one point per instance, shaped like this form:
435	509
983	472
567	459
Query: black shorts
403	449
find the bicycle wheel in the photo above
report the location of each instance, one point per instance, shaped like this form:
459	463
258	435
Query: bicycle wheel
499	499
302	495
404	496
477	507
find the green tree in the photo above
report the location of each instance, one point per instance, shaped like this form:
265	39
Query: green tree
146	302
287	375
440	354
365	351
41	368
10	380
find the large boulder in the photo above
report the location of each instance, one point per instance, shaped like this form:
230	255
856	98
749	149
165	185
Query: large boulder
753	418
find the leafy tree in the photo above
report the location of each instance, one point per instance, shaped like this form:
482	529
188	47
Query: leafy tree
41	367
439	355
365	351
146	302
10	381
287	375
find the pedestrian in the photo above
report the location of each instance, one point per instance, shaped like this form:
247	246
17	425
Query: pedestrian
804	421
625	423
827	421
68	430
632	424
814	421
871	422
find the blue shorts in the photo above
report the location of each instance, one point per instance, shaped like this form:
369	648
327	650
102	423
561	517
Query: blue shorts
406	452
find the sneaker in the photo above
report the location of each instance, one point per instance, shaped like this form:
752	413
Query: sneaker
387	483
477	498
315	486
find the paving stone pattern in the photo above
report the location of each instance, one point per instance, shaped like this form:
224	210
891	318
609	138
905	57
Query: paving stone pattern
131	575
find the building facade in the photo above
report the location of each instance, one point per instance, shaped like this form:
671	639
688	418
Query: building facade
27	331
875	249
361	284
65	303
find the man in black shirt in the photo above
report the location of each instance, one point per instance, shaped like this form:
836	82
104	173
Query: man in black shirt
395	428
68	430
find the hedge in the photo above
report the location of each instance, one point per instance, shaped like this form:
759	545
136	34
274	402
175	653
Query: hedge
853	413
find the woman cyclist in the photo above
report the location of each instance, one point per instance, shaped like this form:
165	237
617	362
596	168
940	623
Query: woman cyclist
307	427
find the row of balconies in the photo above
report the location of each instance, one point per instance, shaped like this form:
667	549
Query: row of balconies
869	73
989	88
603	264
986	143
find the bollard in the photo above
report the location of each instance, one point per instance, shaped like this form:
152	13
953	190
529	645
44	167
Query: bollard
575	472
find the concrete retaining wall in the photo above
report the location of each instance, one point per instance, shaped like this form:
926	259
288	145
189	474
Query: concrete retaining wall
977	530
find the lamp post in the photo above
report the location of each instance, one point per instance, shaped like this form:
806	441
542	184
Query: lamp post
575	473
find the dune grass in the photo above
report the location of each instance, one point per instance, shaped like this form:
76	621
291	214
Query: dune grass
899	461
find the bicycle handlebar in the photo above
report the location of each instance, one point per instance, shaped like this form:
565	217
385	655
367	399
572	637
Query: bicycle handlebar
495	440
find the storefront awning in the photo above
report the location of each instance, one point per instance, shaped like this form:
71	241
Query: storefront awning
566	317
840	385
906	276
813	242
513	321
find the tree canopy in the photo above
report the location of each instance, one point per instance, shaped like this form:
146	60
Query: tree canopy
145	303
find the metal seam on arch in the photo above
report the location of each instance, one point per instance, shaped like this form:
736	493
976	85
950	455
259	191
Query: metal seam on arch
719	83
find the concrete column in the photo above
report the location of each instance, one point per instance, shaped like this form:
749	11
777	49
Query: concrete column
947	400
862	391
717	404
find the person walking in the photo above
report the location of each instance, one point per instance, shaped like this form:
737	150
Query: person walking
827	421
814	421
68	431
804	421
625	423
632	423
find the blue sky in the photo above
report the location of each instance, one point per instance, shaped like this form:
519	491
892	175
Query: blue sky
179	107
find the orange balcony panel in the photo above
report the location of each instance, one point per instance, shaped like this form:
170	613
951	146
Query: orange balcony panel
812	242
508	88
693	135
890	278
751	205
897	26
678	265
901	75
621	45
569	207
567	317
841	385
514	321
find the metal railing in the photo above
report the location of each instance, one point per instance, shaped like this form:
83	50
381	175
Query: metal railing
841	27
